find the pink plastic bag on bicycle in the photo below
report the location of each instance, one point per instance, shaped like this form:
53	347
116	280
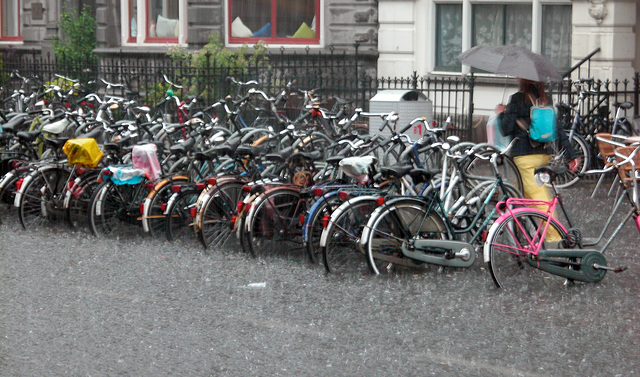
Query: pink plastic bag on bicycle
144	157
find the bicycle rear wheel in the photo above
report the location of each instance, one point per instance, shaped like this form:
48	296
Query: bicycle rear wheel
216	214
510	265
79	198
340	254
274	227
399	225
178	217
114	208
40	199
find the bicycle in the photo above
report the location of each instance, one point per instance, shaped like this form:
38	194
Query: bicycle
521	242
411	231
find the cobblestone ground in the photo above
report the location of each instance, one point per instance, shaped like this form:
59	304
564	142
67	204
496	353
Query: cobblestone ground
71	304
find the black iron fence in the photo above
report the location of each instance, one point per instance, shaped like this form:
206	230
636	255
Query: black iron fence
346	74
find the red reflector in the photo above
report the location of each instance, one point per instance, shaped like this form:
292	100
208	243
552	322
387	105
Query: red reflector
149	186
239	207
302	219
79	171
70	185
343	195
380	201
201	186
211	181
484	235
19	184
233	220
15	164
325	221
193	211
246	189
317	191
163	207
141	208
176	188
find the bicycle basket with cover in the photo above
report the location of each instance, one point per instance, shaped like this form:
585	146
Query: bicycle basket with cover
357	167
144	157
82	152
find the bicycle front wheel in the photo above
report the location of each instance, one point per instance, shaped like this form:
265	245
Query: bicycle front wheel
510	263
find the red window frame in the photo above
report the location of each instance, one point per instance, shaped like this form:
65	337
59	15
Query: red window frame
147	25
10	38
273	39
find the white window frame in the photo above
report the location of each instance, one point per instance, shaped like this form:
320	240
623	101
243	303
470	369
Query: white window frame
319	45
467	16
12	40
141	38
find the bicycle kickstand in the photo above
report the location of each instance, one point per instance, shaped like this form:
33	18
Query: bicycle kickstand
614	269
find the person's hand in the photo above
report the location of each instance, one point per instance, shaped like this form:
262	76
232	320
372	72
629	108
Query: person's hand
573	164
500	108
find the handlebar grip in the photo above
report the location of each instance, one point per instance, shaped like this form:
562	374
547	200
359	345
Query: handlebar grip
405	128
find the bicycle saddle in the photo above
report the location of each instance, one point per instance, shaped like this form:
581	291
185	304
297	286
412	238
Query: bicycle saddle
552	171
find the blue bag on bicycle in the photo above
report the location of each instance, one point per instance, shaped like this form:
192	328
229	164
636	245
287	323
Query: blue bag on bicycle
543	126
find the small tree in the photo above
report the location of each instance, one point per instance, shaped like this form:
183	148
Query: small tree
75	49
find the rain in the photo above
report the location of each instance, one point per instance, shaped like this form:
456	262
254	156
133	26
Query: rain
73	304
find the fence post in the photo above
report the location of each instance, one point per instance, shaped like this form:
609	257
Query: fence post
636	94
470	113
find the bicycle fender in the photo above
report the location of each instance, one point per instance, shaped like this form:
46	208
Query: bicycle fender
339	211
152	194
502	218
27	179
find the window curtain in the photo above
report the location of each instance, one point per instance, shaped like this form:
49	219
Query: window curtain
556	35
10	18
502	25
448	37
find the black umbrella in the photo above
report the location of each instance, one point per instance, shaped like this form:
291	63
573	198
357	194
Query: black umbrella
511	60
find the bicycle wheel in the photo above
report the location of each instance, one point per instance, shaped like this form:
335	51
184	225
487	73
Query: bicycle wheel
41	197
323	207
340	254
478	169
78	199
153	218
559	157
396	226
274	227
216	213
509	263
114	208
178	215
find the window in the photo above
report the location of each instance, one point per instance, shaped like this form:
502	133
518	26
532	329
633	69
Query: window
502	24
274	21
154	21
10	20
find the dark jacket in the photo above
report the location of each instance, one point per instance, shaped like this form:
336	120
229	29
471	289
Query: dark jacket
520	107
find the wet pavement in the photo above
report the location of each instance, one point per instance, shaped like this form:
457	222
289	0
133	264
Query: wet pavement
71	304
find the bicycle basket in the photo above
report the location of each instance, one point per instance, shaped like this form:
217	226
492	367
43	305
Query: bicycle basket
82	152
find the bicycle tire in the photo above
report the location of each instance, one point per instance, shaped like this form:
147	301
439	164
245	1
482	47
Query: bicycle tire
178	214
582	150
153	217
78	199
397	224
216	212
114	208
323	207
40	197
340	254
273	227
507	266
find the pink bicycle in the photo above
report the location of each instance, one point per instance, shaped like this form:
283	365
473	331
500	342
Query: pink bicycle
528	246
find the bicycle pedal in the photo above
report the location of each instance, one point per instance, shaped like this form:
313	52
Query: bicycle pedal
449	255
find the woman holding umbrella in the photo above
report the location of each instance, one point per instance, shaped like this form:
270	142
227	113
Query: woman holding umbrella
527	155
532	70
